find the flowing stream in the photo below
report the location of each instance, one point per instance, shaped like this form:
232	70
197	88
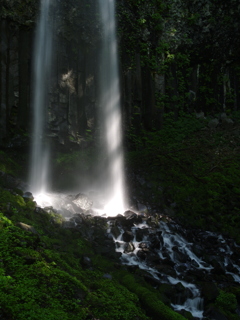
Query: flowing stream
42	62
110	112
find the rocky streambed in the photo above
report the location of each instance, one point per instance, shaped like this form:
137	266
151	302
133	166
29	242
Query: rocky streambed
190	267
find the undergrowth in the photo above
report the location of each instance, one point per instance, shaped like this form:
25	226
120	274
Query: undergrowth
192	168
42	274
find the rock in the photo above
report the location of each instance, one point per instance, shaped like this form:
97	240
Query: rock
82	201
142	208
115	231
141	233
214	314
200	115
179	256
69	225
166	269
153	258
49	209
39	210
156	240
132	216
77	218
26	227
87	262
218	268
28	196
212	124
209	292
222	116
129	247
142	254
227	123
127	236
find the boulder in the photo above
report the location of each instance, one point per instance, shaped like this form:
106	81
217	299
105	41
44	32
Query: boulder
28	196
127	236
115	231
141	233
82	201
214	313
209	292
227	123
26	227
129	247
212	124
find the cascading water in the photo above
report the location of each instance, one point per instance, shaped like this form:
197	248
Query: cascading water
110	112
41	67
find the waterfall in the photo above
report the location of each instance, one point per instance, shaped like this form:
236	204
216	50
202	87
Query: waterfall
42	62
110	112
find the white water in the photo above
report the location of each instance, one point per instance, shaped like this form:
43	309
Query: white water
110	113
193	304
42	62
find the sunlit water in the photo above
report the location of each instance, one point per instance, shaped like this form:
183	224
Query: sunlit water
39	176
110	113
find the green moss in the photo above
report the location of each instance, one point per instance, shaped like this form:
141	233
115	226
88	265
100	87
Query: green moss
8	165
195	169
41	276
150	300
226	301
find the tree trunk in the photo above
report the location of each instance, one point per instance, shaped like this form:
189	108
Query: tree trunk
148	98
81	94
23	107
1	111
174	90
7	85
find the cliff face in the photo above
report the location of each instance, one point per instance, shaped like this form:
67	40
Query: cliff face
174	57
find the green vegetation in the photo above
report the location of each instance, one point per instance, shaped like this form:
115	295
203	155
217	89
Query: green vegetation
7	165
194	168
226	301
43	276
150	299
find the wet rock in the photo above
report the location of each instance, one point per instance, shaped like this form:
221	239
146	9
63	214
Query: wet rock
127	236
28	196
218	268
82	201
142	254
115	231
166	269
198	274
156	240
153	258
49	209
214	313
197	249
77	218
142	208
141	233
231	268
132	216
179	256
69	225
129	247
143	245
